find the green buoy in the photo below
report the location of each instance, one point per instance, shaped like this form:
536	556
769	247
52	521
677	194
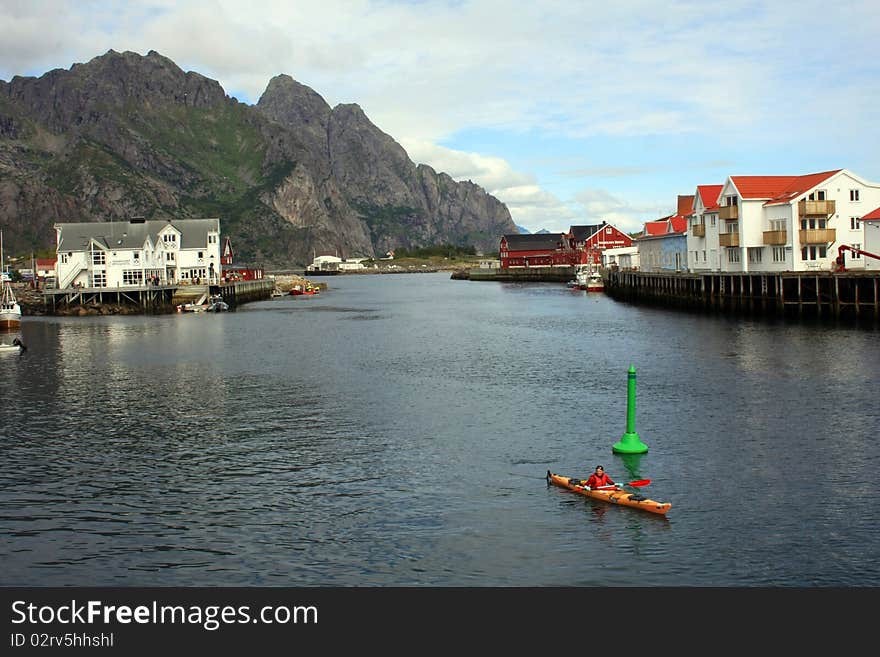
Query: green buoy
630	443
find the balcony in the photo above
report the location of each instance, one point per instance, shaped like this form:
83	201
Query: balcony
698	230
817	236
816	208
775	237
728	239
728	212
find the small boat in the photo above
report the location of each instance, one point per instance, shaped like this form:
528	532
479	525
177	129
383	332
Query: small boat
301	290
587	278
611	495
16	347
10	310
216	305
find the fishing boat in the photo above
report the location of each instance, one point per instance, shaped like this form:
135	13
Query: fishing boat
10	310
588	278
612	494
304	290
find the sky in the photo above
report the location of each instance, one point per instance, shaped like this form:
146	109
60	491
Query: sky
570	113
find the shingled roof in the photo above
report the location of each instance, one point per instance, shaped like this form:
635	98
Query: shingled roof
132	235
538	241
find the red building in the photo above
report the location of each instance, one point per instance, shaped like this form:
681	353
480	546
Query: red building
589	241
580	245
227	255
538	250
237	272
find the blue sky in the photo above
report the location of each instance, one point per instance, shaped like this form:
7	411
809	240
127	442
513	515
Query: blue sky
568	112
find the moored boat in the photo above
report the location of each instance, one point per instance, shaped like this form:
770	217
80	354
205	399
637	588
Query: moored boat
10	310
587	278
612	495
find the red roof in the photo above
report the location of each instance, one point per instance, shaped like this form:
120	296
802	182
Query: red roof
679	224
778	189
709	195
872	215
655	227
685	204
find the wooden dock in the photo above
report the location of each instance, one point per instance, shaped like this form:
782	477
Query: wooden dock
816	294
153	298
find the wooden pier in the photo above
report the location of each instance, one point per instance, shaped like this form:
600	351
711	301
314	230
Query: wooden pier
817	294
154	298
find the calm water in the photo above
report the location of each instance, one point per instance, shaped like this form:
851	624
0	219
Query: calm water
396	430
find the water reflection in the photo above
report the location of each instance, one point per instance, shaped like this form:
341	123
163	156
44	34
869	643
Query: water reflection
297	444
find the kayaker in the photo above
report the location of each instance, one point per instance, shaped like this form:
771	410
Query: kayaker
599	479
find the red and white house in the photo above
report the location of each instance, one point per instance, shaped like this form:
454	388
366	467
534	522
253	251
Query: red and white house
580	245
782	223
589	241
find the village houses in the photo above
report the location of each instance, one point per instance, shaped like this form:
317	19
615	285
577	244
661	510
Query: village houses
137	253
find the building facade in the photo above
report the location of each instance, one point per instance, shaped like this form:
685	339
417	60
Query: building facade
137	253
780	223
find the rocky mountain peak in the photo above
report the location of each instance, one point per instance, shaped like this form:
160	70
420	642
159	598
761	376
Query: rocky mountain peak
288	102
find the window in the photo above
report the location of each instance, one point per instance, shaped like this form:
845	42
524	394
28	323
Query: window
778	254
169	257
201	255
733	227
818	195
813	252
99	258
755	255
854	254
712	220
99	279
704	256
855	223
853	195
732	255
137	256
170	238
729	200
63	258
777	225
132	277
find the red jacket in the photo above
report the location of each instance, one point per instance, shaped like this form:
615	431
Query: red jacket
597	481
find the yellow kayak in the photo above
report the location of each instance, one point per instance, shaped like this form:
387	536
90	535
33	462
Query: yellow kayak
610	495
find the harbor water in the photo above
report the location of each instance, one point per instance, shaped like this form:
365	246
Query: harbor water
396	430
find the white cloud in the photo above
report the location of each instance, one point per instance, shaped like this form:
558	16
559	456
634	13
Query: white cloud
625	215
736	75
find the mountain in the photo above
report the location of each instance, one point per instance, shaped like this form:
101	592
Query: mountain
522	230
130	135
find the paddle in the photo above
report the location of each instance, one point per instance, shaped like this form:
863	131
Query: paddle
636	483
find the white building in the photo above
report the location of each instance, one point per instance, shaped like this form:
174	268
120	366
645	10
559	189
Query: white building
871	225
137	252
335	263
702	235
780	223
623	257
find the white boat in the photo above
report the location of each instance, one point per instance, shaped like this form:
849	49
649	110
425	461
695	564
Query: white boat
216	304
10	311
16	347
588	278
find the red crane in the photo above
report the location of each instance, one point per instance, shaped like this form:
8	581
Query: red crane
855	251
